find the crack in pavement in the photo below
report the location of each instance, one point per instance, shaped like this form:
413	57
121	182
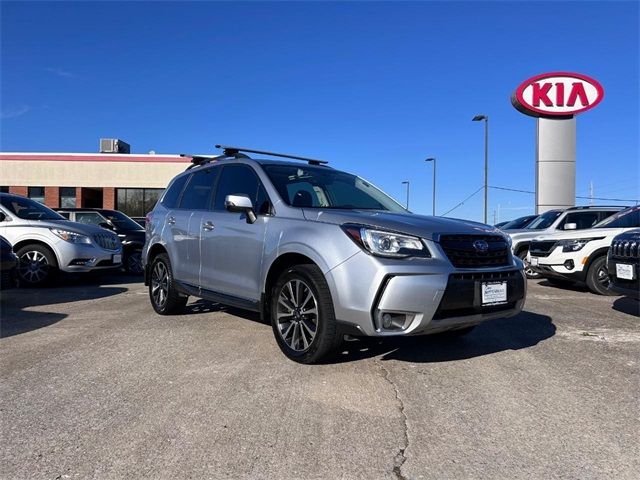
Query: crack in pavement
400	457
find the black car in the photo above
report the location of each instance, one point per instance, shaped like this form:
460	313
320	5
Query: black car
623	263
131	234
8	265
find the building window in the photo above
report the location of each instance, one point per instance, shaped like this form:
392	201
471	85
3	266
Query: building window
137	202
36	193
67	197
4	189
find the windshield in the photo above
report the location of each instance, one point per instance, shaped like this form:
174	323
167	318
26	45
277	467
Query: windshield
28	209
544	221
518	223
121	221
321	187
629	218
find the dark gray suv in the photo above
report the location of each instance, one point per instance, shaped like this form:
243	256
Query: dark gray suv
321	254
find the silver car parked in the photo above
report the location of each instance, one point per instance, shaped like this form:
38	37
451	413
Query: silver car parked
321	254
47	243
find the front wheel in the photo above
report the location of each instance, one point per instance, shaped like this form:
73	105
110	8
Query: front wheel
302	315
528	271
165	298
133	263
598	277
38	265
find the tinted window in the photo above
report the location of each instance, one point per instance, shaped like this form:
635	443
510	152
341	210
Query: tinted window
28	209
629	218
67	197
90	218
582	219
241	179
197	194
544	221
36	193
172	196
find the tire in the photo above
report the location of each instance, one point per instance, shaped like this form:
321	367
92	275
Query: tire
522	255
133	263
165	298
598	277
38	265
302	335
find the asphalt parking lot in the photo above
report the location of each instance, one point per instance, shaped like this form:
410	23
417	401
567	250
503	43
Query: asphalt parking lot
96	385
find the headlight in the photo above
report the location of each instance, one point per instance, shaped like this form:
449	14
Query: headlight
573	245
71	237
386	244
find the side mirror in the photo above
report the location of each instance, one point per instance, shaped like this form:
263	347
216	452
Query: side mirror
242	204
570	226
105	225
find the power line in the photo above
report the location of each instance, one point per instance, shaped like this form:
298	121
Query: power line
577	196
462	202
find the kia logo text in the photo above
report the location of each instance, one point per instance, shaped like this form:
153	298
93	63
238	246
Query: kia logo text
557	94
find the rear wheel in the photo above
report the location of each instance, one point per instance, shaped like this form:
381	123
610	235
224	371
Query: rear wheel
302	315
38	265
522	255
598	277
165	298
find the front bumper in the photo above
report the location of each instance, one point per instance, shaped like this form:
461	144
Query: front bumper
424	296
629	288
88	258
558	264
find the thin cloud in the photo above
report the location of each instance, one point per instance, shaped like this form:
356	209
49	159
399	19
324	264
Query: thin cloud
15	112
59	72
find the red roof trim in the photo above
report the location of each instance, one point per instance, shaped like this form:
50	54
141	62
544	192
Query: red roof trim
94	158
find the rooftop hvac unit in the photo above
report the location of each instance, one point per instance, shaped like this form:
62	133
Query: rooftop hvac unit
113	145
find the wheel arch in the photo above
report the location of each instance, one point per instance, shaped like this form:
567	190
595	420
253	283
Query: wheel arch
25	242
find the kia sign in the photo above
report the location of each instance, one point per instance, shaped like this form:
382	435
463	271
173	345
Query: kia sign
557	94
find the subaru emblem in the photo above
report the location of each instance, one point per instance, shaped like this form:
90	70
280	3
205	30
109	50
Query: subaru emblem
481	246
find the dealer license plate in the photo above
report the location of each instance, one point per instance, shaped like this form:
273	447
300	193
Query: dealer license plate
624	271
117	259
534	261
494	292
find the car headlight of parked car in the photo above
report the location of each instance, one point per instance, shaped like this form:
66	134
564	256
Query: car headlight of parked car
71	237
387	244
573	245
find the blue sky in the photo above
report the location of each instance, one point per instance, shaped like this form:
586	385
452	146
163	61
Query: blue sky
373	87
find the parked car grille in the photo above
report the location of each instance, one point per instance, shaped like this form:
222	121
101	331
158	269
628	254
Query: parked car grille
542	248
106	241
625	249
465	251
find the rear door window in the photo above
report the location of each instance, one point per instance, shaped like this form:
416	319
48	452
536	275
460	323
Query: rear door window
172	196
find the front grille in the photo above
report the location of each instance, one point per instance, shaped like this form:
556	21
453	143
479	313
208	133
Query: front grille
626	249
106	241
465	251
541	248
463	294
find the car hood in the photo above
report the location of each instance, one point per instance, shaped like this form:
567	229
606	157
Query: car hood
75	227
409	223
586	233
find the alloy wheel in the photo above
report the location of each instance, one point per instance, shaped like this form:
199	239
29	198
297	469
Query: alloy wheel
297	315
134	263
603	277
34	267
160	284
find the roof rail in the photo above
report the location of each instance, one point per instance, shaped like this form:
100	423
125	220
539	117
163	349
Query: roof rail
230	151
197	160
587	207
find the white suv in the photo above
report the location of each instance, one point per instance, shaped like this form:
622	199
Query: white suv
580	256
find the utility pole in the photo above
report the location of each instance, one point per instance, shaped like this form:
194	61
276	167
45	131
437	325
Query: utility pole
591	192
479	118
433	203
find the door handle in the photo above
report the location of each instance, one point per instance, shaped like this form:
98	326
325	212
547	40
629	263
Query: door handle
208	226
171	220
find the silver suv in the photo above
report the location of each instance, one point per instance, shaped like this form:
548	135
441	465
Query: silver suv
47	243
321	254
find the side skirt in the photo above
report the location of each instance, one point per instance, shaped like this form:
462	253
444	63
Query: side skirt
230	300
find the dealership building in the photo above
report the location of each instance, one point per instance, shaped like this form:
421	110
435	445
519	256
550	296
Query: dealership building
128	182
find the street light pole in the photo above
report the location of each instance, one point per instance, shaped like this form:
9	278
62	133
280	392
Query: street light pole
407	184
479	118
432	159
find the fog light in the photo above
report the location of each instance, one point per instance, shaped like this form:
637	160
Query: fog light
569	265
386	320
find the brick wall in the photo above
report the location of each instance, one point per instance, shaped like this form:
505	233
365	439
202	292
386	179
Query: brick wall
52	197
109	197
18	190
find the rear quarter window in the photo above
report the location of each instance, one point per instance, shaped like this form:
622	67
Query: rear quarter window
172	196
